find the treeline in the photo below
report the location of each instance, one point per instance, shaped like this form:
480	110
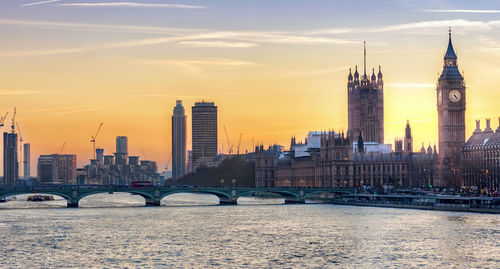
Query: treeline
240	170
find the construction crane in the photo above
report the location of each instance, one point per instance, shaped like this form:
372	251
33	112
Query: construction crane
144	155
13	124
61	149
2	119
229	146
20	137
170	157
94	137
239	144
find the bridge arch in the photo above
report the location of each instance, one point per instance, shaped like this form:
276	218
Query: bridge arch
66	196
221	195
147	196
282	193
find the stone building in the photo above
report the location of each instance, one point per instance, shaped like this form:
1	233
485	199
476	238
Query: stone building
481	158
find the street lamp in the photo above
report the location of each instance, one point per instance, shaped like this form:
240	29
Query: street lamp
301	183
234	182
222	183
288	183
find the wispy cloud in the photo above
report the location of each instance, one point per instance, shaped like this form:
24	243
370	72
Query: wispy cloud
81	109
438	24
60	109
218	44
462	10
23	92
98	27
40	3
196	66
130	4
411	85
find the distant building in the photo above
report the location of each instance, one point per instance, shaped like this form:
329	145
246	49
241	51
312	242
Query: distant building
336	163
133	160
10	162
178	141
27	160
122	145
204	133
57	169
100	155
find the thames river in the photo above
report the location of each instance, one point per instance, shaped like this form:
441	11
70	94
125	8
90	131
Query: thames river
245	236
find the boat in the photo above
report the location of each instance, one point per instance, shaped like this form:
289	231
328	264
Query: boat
40	198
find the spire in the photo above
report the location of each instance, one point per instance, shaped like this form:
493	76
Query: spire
450	52
373	75
379	73
361	146
423	148
350	75
364	61
498	129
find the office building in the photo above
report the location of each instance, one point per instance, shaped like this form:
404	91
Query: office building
204	133
27	160
56	169
178	141
10	161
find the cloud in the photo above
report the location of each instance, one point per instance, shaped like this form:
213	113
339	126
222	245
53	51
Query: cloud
130	4
438	24
40	3
196	66
22	92
82	109
98	27
462	10
218	44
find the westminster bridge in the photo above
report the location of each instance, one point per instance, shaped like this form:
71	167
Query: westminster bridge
153	196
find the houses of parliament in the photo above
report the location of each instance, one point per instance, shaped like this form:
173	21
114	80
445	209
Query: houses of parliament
359	157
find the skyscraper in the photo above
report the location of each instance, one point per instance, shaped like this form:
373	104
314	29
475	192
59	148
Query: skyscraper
451	119
121	153
10	162
27	160
204	133
122	144
178	141
365	99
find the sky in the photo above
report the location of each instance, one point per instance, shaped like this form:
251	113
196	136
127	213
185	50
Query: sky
275	69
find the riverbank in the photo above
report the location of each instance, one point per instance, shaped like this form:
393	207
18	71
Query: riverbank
441	203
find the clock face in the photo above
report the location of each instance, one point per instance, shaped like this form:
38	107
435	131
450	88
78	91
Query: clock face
440	97
455	96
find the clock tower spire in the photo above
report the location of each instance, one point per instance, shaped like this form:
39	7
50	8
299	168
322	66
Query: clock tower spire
451	119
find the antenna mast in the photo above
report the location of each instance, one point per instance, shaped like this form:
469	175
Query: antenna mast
364	54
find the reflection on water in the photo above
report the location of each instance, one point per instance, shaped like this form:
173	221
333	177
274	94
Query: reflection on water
271	236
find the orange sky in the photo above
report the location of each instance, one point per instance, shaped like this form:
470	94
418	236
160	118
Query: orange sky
269	84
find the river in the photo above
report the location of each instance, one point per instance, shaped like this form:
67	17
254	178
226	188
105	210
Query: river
260	234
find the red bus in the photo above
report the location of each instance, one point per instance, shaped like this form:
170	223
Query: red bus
141	184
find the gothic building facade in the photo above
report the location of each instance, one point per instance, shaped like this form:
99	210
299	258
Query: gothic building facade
365	102
451	95
332	159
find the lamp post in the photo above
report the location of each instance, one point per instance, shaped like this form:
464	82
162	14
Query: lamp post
234	182
301	183
222	183
288	183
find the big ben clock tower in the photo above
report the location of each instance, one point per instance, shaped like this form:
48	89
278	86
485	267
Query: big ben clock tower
451	119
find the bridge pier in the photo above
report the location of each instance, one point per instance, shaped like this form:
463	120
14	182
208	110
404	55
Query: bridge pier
72	205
